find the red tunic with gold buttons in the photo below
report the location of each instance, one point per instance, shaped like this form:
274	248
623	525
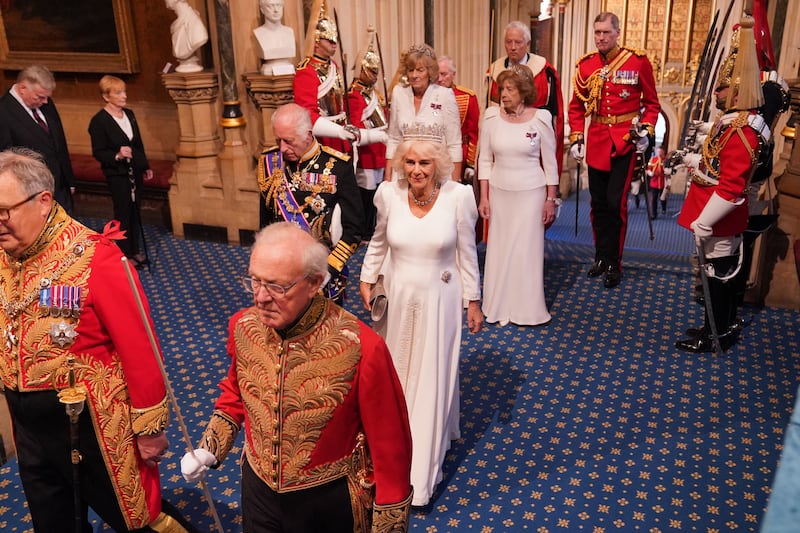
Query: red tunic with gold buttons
470	115
730	153
611	91
304	399
311	73
360	97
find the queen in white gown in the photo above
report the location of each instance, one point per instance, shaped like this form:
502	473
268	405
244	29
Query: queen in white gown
427	222
519	186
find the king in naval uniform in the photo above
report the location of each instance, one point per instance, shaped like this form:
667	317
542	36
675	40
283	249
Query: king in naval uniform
313	186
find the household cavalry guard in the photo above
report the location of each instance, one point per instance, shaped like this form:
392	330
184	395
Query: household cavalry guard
368	113
318	83
716	207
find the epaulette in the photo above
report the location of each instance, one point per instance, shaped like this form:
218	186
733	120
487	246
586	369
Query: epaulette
465	90
303	62
636	51
270	149
585	56
334	152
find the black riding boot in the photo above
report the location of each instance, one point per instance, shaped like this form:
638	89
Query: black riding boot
723	305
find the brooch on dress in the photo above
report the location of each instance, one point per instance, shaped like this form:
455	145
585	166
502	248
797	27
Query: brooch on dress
530	135
446	276
436	108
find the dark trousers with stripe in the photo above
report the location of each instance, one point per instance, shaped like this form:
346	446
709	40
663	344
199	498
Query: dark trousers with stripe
609	203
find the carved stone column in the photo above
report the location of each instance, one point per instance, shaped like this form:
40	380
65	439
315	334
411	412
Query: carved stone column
268	93
784	286
199	196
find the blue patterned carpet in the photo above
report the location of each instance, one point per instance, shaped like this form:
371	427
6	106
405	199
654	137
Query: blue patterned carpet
593	423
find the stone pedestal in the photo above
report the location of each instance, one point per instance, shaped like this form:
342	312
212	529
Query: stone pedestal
268	93
209	186
784	286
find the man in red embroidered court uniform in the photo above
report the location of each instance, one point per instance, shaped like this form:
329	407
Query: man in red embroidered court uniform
517	42
318	85
69	317
612	87
468	110
327	445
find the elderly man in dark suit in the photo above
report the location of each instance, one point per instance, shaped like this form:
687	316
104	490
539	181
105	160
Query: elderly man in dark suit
28	118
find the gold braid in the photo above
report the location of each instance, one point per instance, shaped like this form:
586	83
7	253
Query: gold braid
592	87
268	184
713	145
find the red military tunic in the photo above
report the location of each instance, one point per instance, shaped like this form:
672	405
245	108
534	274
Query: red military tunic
304	399
611	91
730	153
470	116
655	167
312	73
360	98
113	358
548	93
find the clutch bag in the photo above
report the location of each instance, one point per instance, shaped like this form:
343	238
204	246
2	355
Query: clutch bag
378	300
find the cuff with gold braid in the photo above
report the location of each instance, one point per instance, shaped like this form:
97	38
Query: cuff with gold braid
576	136
152	420
340	254
393	517
219	436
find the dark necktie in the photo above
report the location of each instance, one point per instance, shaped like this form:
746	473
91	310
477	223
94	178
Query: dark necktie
37	116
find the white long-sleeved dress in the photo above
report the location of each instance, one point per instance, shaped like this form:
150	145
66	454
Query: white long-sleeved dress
433	269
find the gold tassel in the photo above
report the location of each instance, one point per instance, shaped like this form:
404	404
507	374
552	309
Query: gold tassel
746	69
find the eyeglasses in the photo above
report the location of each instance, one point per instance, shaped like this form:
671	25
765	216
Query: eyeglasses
252	285
5	212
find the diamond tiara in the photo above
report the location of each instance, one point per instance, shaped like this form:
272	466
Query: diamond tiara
423	132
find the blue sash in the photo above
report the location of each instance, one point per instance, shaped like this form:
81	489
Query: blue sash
285	200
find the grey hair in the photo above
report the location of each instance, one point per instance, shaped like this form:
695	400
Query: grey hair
297	114
37	75
313	255
28	167
520	26
450	62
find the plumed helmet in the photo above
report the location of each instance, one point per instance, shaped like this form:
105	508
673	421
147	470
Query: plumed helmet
368	57
325	27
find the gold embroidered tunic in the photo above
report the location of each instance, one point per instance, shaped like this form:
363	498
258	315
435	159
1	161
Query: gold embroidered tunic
99	327
305	397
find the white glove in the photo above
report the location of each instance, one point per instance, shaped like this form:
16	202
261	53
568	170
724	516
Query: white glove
643	143
715	210
469	175
372	136
692	159
325	128
194	466
577	150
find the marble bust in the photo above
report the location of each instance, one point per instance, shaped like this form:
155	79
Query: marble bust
188	35
275	41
